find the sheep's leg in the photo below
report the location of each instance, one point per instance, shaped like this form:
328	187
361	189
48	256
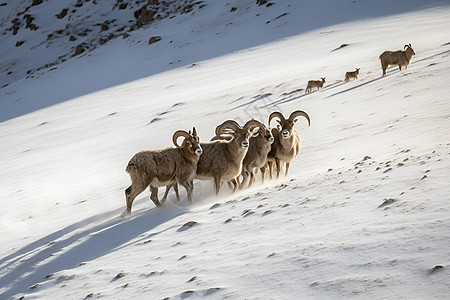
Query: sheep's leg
154	196
263	172
384	67
278	166
217	182
287	169
244	179
130	193
235	184
189	190
170	185
252	179
400	67
230	185
175	188
270	164
164	198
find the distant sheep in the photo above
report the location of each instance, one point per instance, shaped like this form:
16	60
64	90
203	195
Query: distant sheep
399	58
314	84
352	74
157	168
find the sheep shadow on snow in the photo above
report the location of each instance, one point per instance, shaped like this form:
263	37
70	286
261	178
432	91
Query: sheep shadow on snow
31	264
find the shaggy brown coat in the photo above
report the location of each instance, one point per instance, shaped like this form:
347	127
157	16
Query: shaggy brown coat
400	58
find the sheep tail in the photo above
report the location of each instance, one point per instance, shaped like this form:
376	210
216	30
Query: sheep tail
131	166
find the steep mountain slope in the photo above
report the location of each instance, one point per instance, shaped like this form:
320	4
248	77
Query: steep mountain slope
53	61
363	212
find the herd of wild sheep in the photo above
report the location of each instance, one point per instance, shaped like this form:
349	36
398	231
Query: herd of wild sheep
234	154
400	58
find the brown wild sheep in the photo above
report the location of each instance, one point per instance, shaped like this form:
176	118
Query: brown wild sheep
221	159
399	57
314	84
156	168
352	74
256	157
287	141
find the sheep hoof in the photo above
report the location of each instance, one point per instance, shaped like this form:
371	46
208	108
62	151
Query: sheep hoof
125	214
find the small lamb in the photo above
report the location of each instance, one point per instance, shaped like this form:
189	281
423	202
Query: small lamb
353	74
314	84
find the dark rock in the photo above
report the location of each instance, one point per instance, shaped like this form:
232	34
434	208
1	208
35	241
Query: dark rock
28	20
387	201
123	5
154	39
189	224
144	16
187	292
187	9
19	43
72	38
436	268
79	50
62	14
36	2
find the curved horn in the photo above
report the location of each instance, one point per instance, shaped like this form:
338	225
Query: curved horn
406	46
253	123
217	130
194	131
228	124
177	134
300	113
276	114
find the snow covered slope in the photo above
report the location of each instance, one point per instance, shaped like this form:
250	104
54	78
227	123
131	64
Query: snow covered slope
363	212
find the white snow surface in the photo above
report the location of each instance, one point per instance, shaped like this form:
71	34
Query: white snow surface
363	213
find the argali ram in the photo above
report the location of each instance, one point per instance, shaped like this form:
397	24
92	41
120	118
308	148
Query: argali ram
287	143
157	168
400	58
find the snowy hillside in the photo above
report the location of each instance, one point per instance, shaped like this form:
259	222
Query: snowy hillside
363	213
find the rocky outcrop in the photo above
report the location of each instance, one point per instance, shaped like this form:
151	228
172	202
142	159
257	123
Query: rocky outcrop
89	30
154	39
